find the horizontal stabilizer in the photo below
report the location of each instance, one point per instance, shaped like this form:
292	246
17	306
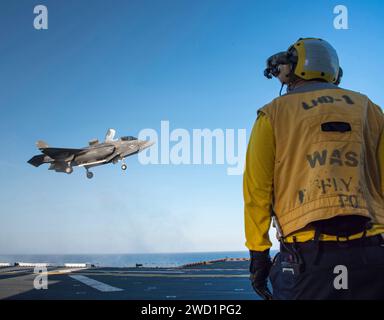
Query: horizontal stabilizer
37	160
41	144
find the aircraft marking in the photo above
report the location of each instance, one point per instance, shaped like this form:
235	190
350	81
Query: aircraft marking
103	287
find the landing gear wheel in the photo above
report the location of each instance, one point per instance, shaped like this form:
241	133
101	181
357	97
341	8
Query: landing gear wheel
89	175
124	166
68	170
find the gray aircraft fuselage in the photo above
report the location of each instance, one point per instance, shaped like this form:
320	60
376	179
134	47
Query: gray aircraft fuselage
96	154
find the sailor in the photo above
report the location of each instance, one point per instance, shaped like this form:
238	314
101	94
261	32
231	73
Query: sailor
315	166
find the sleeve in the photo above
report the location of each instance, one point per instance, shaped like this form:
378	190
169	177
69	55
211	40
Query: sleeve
379	116
380	160
258	184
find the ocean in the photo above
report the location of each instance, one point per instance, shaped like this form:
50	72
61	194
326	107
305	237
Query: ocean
125	260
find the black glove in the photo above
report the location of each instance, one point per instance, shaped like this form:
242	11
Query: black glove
259	269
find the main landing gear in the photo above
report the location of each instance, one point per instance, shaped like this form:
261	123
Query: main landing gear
68	170
89	174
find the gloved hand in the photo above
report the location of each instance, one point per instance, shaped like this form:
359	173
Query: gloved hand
259	269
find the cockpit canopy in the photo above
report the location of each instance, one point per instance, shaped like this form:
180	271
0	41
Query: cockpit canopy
128	138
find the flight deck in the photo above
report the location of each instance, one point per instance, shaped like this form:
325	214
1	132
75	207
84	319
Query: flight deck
226	279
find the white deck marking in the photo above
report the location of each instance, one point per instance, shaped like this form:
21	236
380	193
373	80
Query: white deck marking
135	271
95	284
160	272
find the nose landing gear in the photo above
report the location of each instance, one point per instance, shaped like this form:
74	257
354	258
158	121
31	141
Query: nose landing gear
123	166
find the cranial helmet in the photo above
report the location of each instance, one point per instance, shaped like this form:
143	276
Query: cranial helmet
310	58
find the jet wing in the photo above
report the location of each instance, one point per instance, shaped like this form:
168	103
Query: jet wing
55	153
123	154
112	156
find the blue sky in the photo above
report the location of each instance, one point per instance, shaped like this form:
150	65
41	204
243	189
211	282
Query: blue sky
128	65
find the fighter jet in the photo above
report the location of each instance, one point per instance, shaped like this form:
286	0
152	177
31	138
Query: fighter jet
95	154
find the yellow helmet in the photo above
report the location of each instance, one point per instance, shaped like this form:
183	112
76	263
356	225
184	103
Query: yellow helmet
316	59
310	58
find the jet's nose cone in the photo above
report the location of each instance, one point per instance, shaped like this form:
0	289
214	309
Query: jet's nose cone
146	144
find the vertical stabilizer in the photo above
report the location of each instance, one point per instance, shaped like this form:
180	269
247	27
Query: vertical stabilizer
41	144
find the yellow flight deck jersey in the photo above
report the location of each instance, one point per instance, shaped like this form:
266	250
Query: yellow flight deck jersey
326	179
